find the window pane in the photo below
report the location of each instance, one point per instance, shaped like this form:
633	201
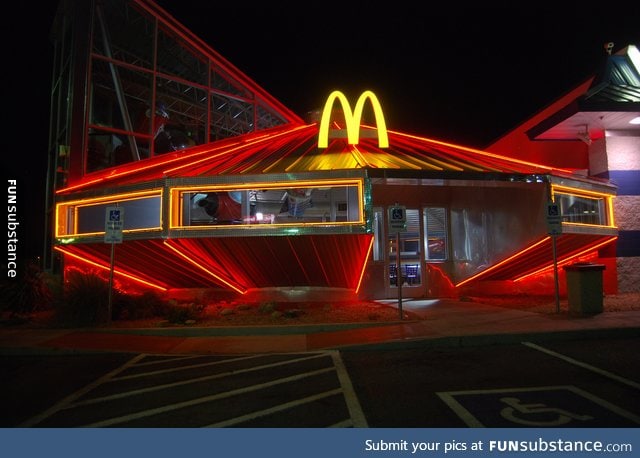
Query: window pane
141	214
435	224
320	205
378	235
581	210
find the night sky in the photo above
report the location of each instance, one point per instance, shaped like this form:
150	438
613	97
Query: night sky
462	73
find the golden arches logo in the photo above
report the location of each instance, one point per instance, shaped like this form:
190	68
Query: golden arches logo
352	119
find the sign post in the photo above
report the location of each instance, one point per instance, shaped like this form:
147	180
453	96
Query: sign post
113	225
398	224
554	228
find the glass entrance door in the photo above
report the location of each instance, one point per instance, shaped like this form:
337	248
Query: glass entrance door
408	246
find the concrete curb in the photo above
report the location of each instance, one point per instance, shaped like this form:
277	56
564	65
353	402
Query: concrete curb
493	339
229	331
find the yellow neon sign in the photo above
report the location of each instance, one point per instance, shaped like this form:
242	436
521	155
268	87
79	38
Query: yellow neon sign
352	119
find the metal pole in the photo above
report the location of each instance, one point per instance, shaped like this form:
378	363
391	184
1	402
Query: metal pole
555	273
113	251
399	275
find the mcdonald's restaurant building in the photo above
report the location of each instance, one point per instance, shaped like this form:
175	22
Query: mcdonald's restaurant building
222	187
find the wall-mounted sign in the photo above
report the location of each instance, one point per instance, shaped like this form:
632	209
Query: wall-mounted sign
352	119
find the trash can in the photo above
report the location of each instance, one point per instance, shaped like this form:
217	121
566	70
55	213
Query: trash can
584	288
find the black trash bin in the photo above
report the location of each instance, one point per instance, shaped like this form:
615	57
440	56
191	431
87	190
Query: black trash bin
584	288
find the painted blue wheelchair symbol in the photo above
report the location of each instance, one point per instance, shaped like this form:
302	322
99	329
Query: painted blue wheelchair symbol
114	215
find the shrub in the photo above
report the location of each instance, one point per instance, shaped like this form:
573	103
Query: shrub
29	292
139	306
85	299
182	313
267	307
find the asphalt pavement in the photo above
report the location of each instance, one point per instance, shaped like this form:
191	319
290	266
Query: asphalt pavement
443	322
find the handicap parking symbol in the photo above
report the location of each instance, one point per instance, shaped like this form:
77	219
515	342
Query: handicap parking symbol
536	407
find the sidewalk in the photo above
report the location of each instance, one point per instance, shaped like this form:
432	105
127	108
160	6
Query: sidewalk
443	323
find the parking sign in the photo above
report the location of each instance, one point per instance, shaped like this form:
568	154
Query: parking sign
397	219
113	225
554	219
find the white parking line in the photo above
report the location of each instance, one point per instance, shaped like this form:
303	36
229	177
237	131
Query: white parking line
80	397
357	416
278	408
124	394
597	370
78	394
201	400
179	368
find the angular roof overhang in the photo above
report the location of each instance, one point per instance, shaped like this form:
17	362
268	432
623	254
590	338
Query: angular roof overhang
610	103
294	149
233	263
537	258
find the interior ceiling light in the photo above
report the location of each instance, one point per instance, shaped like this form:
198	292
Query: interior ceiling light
635	120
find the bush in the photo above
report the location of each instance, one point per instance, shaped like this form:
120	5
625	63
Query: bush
29	292
267	307
85	299
139	306
182	313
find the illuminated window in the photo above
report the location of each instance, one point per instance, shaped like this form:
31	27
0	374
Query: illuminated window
582	209
269	204
87	217
435	233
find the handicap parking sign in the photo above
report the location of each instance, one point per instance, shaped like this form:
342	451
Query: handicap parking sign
114	214
113	224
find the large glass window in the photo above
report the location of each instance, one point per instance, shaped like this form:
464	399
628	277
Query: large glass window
408	251
582	209
378	234
435	234
268	203
87	217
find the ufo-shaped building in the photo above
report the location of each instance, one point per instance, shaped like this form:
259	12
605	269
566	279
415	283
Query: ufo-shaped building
221	187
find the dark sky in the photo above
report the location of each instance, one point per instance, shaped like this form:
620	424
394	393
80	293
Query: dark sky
460	72
463	73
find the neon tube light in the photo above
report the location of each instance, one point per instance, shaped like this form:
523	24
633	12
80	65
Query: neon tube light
578	192
175	200
238	288
504	261
352	119
482	153
566	260
108	268
231	148
159	161
364	265
75	205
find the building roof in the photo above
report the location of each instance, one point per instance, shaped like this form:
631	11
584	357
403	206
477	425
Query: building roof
610	103
294	149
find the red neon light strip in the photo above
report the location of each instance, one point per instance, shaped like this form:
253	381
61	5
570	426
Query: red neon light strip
566	260
238	288
364	264
300	263
504	261
482	153
108	268
208	150
319	258
235	147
